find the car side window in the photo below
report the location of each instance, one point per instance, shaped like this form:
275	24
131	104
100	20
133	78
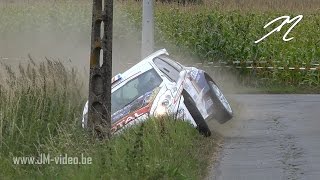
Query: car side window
176	65
165	67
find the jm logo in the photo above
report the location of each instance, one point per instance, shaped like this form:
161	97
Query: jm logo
287	20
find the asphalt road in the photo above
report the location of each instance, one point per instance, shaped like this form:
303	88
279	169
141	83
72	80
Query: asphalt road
271	137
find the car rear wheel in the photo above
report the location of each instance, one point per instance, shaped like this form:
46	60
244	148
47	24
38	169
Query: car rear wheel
202	125
222	109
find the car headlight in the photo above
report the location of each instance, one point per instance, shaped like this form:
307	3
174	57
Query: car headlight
163	106
165	103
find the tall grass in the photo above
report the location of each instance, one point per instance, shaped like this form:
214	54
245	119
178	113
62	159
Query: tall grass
40	112
33	102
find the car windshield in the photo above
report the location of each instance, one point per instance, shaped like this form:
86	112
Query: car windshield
133	89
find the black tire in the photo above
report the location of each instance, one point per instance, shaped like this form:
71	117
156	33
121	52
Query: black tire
221	114
202	125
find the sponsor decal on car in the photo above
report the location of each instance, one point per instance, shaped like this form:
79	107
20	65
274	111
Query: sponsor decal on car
131	117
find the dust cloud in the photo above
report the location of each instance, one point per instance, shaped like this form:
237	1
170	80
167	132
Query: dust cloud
60	31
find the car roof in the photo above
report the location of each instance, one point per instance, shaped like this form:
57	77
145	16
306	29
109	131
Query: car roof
143	66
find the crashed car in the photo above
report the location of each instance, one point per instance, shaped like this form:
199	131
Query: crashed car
159	86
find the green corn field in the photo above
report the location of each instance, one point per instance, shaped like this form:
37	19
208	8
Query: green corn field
217	34
212	31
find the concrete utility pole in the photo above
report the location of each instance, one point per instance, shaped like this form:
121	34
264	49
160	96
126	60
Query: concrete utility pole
99	117
147	46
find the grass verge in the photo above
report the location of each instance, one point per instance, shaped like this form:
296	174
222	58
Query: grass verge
39	114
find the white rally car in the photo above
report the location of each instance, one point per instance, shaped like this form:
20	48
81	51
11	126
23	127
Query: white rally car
158	86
